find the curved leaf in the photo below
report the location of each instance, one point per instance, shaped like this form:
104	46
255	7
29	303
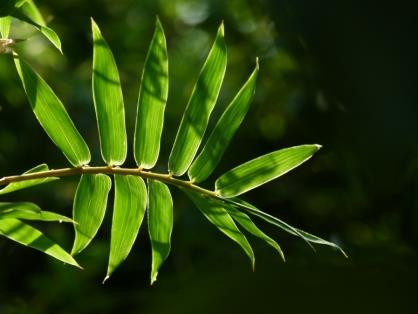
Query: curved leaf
7	207
52	116
24	234
223	132
218	216
160	224
89	208
108	101
15	186
262	170
152	101
202	101
128	213
5	23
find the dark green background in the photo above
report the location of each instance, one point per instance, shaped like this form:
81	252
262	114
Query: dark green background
339	73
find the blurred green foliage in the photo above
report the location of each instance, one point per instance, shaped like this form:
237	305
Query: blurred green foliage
341	74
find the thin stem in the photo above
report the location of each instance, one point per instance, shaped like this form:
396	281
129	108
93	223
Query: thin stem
108	170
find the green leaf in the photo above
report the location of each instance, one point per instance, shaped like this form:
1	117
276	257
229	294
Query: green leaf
29	13
108	101
6	207
245	221
52	116
152	101
213	210
128	213
89	208
24	234
15	186
262	169
223	132
202	101
5	23
160	224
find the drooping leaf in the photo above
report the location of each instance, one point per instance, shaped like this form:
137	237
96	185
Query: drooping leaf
223	132
52	116
128	213
263	169
89	208
108	101
202	101
152	101
27	212
5	23
24	234
245	221
160	224
213	210
7	207
15	186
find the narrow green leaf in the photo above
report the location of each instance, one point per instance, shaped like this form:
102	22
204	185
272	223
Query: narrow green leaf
245	221
160	224
7	207
152	101
108	101
263	169
27	212
15	186
89	208
24	234
52	116
202	101
223	132
5	23
128	213
218	216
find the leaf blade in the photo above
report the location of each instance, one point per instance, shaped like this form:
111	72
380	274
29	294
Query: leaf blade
89	208
52	116
160	224
199	108
228	124
108	101
5	23
128	213
152	100
263	169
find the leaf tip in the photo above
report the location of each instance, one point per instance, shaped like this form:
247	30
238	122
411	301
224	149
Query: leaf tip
257	64
105	279
154	278
318	146
221	30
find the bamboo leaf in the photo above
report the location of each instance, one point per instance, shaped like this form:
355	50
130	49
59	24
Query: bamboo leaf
223	132
128	213
5	23
108	101
245	221
7	207
262	169
160	224
89	208
152	101
198	110
52	116
24	234
29	211
15	186
218	216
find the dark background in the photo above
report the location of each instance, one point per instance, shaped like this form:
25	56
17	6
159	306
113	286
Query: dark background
339	73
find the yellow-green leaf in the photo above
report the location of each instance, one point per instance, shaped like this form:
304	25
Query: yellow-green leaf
128	213
152	101
52	116
108	101
5	23
29	211
198	110
263	169
160	224
89	208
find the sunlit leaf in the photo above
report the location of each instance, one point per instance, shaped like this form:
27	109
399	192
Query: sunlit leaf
263	169
52	116
15	186
128	213
89	208
5	23
223	132
160	224
213	210
24	234
202	101
108	101
151	102
16	211
7	207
